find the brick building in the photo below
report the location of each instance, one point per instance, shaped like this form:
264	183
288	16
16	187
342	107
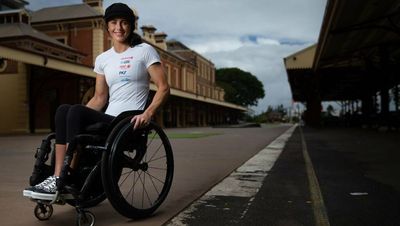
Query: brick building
47	56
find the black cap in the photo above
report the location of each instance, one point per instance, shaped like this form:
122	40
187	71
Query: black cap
120	10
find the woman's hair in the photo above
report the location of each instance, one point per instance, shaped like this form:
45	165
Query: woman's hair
123	11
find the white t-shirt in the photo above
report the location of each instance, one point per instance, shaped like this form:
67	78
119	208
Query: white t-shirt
127	76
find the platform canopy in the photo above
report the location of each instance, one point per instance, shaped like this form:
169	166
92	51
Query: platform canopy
357	53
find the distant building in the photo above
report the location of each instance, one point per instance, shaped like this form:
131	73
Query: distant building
47	56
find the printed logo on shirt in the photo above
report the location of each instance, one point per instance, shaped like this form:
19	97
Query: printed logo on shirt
125	66
125	58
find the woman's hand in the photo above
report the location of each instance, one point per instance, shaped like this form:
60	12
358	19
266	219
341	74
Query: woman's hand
141	121
159	78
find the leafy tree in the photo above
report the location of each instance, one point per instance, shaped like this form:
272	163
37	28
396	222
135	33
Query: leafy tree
240	87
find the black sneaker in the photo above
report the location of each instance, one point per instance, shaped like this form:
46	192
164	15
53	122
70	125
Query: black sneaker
29	190
48	192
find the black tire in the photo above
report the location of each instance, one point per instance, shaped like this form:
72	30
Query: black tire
86	218
137	190
43	212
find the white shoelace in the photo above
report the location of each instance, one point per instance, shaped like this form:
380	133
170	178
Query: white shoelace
50	179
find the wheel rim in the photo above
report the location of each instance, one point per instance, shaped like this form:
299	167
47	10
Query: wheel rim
143	181
86	219
43	212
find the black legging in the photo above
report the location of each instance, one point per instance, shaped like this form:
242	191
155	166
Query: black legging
73	119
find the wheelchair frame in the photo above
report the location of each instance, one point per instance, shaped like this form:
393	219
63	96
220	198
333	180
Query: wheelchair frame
117	154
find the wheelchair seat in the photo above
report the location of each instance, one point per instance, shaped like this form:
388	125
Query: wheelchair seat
104	128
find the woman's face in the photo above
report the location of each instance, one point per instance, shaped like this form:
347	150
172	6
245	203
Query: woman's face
119	29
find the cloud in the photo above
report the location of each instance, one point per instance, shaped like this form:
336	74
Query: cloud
38	4
252	35
265	61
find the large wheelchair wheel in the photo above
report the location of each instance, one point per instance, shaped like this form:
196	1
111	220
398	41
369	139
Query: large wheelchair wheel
137	170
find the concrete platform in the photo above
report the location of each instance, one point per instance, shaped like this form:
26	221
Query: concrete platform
330	176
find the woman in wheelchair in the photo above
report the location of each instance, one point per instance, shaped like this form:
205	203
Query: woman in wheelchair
123	78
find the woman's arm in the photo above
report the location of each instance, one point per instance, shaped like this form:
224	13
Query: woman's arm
158	76
100	97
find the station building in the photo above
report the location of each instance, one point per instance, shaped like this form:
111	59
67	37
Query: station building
47	57
355	63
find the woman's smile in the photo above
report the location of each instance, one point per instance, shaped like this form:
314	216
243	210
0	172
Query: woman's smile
119	29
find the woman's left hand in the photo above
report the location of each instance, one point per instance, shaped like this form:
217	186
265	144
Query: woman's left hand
141	121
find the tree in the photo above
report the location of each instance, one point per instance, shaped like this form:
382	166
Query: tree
240	87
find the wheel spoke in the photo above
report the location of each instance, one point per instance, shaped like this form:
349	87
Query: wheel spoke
155	178
158	149
145	191
154	185
157	168
161	157
123	181
129	174
133	186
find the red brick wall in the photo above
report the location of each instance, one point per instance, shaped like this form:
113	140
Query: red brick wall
82	41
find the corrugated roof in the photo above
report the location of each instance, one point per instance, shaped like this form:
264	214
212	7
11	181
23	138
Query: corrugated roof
68	12
16	30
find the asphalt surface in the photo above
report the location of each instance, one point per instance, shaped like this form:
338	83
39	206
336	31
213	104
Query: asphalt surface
356	173
329	176
200	163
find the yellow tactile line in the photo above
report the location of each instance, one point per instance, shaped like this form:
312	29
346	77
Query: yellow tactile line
320	214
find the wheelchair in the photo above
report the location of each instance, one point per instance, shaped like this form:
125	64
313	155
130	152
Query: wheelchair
133	169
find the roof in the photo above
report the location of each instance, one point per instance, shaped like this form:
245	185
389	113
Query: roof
178	48
357	51
16	30
356	29
63	13
302	59
176	45
14	4
48	62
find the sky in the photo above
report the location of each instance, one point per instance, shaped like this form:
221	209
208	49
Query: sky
253	35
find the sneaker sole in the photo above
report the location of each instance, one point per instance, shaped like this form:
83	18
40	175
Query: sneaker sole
27	193
44	196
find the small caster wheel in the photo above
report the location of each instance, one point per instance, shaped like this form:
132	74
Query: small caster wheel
43	211
85	218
